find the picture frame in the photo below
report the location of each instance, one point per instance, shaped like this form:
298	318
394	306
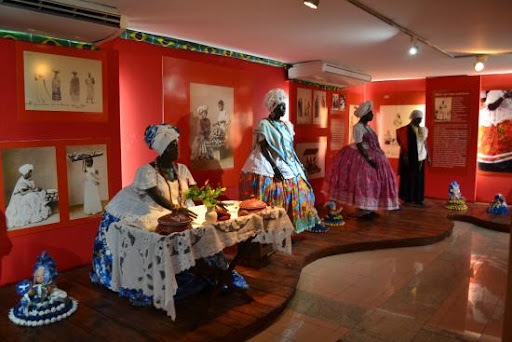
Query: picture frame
313	156
61	84
60	176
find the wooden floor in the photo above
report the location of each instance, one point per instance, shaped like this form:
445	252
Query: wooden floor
102	315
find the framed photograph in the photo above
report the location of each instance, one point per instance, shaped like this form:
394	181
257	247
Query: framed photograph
88	184
67	86
211	118
320	109
338	103
304	106
312	156
30	186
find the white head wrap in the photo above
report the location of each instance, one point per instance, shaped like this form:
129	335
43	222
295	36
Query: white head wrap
158	137
274	98
201	109
363	109
24	169
416	114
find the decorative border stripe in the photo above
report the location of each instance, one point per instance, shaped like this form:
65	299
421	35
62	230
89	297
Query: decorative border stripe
175	43
167	42
39	39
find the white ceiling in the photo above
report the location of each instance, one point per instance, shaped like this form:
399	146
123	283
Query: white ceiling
339	32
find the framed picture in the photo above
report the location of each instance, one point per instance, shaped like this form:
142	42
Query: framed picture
88	184
211	109
30	187
64	85
338	103
312	156
320	108
304	106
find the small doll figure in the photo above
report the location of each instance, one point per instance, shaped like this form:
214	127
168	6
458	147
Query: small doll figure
333	217
41	301
456	202
499	206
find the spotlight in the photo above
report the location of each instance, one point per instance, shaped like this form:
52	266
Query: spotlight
312	3
413	49
480	63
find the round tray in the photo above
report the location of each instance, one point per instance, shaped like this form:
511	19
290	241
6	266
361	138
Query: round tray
172	220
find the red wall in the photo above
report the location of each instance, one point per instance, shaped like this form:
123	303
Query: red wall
143	101
69	242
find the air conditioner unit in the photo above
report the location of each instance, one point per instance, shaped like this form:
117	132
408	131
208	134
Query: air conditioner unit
76	20
327	74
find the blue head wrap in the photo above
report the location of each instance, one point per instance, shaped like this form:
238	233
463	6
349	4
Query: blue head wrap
158	137
50	271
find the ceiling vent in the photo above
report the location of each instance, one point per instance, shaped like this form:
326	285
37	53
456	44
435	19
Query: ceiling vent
77	20
327	74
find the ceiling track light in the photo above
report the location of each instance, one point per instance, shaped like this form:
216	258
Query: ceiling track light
312	3
413	49
480	63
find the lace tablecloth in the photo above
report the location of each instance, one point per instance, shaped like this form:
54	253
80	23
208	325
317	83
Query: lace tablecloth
147	261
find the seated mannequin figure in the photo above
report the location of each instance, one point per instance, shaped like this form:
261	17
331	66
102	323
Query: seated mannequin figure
158	189
273	172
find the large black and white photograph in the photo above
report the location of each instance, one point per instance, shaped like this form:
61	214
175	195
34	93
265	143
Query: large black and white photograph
304	98
320	109
87	180
212	110
62	83
30	187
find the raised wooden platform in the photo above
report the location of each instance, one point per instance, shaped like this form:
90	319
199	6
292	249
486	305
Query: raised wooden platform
102	315
477	214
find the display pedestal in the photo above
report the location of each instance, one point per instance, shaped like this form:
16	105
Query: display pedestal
253	254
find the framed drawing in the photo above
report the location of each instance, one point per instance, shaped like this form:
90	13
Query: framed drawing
320	108
304	106
64	85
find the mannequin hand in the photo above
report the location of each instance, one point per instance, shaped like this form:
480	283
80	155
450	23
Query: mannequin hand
429	161
186	212
373	163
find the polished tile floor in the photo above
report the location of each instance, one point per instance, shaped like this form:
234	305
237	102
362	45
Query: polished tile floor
450	291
